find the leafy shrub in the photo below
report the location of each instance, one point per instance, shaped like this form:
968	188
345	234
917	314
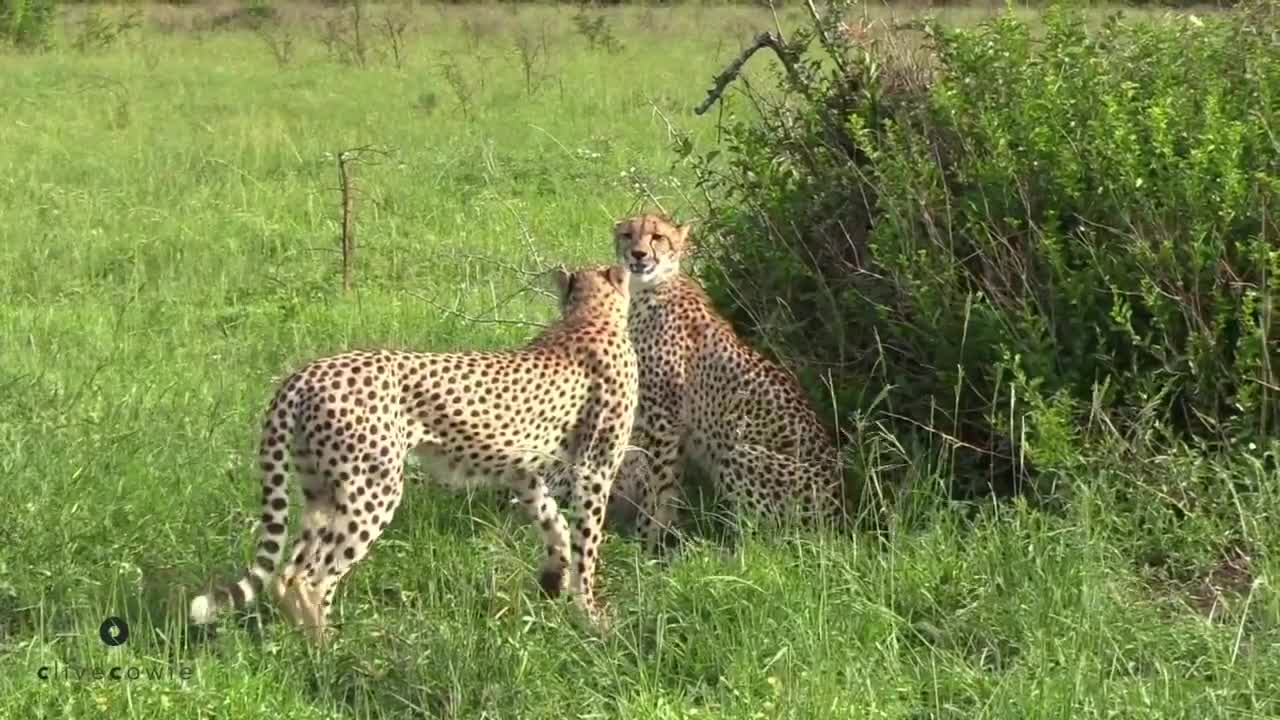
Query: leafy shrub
27	23
249	14
596	29
1049	227
98	31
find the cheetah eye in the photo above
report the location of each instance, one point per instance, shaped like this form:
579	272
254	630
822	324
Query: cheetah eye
659	238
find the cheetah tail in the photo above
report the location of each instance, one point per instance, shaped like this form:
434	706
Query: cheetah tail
277	432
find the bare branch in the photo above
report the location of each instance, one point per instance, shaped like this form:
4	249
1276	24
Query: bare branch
472	318
348	222
358	153
818	24
777	22
733	69
531	274
346	185
528	237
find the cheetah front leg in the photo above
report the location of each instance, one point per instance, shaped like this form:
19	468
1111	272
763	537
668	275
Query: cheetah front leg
659	491
538	502
591	494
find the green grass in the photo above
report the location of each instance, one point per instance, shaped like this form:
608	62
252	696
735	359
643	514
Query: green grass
169	253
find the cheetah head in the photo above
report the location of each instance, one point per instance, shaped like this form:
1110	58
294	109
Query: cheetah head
599	286
651	246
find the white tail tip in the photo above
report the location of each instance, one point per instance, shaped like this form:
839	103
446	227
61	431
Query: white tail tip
201	610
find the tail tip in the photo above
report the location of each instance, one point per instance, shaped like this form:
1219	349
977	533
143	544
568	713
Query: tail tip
202	610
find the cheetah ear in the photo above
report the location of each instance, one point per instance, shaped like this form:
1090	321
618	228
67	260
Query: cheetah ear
618	275
563	281
682	233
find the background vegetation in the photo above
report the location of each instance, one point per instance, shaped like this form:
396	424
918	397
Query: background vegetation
1034	225
1031	255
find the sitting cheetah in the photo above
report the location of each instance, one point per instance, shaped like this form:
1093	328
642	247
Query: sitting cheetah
706	396
346	423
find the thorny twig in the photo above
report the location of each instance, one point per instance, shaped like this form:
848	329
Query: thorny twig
528	237
733	69
790	57
348	222
787	55
502	265
472	318
825	36
672	131
346	186
535	281
644	188
535	277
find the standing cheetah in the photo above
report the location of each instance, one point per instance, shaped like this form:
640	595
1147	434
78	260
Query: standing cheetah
706	396
346	423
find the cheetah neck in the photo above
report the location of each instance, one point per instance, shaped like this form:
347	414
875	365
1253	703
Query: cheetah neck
678	286
590	319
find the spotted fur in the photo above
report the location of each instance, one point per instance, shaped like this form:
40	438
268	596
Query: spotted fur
709	398
345	424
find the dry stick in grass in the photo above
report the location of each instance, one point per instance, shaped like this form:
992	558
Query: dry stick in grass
394	28
348	221
346	184
505	266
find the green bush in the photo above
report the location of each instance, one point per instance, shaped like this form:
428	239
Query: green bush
27	24
1052	228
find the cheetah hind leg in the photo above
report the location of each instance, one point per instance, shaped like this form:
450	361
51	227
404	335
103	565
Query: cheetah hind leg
289	588
298	597
540	504
302	601
778	488
361	513
626	496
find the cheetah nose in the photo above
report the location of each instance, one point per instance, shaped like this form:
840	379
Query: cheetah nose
638	254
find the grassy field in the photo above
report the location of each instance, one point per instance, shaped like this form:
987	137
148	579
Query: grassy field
169	252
